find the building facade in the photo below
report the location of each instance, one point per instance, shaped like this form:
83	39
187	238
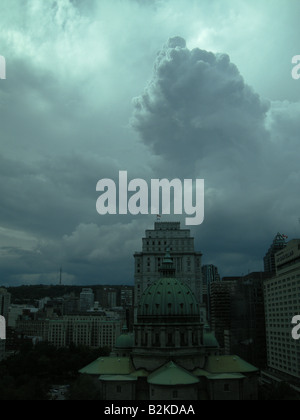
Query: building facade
171	355
5	298
86	300
222	296
282	303
247	334
88	330
278	244
187	262
210	275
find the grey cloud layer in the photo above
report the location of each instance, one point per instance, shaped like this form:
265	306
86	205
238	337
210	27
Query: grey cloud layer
200	115
73	69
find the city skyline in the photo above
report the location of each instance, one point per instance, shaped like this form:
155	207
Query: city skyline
160	90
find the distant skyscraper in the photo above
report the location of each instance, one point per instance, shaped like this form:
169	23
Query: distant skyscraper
282	303
126	296
4	302
247	334
221	303
107	297
186	261
4	307
86	299
210	275
278	243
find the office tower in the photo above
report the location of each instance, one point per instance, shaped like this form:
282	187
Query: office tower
247	334
107	297
187	262
282	303
86	299
210	275
278	243
127	296
4	302
221	304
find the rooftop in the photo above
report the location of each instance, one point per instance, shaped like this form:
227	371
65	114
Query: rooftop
228	364
171	374
109	366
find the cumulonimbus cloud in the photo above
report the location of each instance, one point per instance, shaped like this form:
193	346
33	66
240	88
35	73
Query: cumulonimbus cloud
197	102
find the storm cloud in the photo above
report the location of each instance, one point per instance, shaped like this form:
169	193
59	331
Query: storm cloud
159	89
196	104
198	113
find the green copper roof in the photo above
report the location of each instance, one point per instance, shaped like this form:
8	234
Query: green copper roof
125	341
171	374
225	376
228	364
200	372
140	373
109	366
209	339
167	258
168	297
117	378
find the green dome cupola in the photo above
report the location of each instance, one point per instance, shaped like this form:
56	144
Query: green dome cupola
125	340
168	297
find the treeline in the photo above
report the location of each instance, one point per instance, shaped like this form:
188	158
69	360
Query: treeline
29	374
30	293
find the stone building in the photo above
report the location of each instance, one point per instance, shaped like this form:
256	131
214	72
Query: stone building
171	355
167	235
282	303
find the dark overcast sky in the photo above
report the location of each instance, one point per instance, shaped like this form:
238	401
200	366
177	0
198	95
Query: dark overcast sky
162	89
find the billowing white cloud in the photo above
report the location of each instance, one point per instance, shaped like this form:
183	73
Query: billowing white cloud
198	113
196	104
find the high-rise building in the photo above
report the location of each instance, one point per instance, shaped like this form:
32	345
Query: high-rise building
107	297
210	275
222	294
4	302
86	299
4	308
126	296
282	303
278	243
187	262
247	334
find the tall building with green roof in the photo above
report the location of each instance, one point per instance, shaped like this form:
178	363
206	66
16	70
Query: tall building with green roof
171	354
148	261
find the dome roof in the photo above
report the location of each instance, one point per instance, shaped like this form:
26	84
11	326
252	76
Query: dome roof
209	339
168	297
125	340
